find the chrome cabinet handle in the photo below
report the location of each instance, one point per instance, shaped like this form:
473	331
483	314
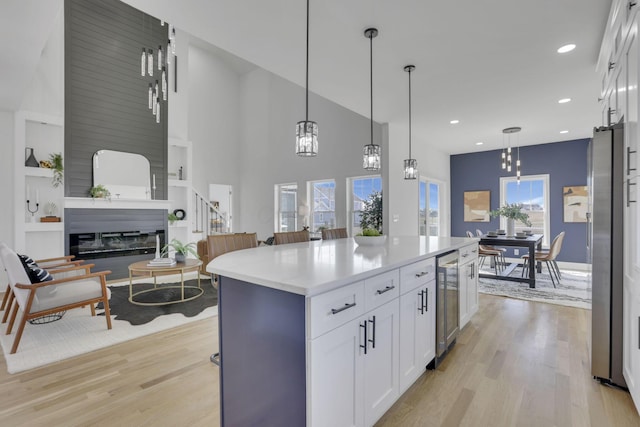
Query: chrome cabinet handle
465	255
364	325
629	184
422	273
346	307
629	153
632	4
386	289
373	340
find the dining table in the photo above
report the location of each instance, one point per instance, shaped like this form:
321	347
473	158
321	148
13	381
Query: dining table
532	242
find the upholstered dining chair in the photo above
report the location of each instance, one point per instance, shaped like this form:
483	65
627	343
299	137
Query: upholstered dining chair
484	253
502	251
290	237
334	233
549	259
40	299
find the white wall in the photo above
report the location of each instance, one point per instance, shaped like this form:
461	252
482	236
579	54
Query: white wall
403	195
6	189
271	107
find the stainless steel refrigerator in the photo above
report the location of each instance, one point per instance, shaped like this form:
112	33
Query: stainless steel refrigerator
605	248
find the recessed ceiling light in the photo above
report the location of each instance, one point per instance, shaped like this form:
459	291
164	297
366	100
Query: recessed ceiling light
564	131
566	48
454	122
564	100
479	143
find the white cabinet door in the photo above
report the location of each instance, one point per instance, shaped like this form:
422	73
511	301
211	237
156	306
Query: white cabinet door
430	326
463	305
381	383
631	348
336	377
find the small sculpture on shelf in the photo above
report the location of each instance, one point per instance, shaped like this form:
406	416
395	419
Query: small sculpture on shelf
50	210
30	158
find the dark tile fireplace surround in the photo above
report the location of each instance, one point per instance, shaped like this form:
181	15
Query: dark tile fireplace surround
114	238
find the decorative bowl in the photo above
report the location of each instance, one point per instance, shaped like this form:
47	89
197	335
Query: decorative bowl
370	240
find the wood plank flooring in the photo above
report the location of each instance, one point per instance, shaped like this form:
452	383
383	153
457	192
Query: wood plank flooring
516	363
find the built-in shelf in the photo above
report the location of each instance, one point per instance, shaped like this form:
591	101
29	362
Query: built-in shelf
38	172
179	183
31	227
179	224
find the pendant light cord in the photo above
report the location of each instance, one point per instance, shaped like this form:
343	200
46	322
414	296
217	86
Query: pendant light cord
371	79
410	114
306	114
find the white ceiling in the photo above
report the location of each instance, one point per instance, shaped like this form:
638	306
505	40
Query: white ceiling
490	64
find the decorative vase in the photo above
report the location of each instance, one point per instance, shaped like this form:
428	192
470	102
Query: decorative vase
511	227
31	159
180	257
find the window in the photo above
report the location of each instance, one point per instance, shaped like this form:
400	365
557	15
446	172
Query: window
361	189
286	207
431	215
323	204
533	193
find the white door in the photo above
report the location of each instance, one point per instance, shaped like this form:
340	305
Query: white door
413	338
430	325
221	197
381	383
337	377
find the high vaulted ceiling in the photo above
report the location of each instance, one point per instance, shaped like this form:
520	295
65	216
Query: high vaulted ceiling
490	64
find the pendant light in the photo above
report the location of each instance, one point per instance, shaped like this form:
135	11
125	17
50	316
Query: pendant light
508	132
306	131
410	165
371	152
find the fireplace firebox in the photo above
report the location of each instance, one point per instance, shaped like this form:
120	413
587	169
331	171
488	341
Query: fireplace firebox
114	244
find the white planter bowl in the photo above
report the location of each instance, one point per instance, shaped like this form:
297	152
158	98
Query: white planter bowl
370	240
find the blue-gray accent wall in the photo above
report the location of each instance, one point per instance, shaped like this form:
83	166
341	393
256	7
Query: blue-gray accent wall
566	164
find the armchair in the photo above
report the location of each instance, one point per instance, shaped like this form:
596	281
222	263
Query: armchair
77	289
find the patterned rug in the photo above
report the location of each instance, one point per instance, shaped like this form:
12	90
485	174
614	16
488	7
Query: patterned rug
574	290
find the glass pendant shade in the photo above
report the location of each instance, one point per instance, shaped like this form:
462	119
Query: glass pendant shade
158	111
169	54
150	62
143	62
159	58
504	160
307	139
150	96
410	169
371	157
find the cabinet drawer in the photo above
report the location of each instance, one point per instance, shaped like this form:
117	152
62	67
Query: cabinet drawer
381	289
468	253
330	310
416	274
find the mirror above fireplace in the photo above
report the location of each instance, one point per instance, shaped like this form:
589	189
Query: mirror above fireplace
125	175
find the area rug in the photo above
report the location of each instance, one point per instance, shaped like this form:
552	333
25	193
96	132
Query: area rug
78	332
574	290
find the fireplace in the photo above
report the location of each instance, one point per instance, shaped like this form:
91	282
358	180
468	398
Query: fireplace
114	244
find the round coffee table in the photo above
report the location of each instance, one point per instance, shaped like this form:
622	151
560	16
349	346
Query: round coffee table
142	268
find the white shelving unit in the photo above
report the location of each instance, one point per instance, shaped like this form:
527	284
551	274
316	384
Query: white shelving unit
45	134
180	190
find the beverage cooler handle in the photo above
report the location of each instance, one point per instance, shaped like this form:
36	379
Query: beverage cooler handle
629	184
629	153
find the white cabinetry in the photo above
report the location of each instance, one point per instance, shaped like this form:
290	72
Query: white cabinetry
417	320
618	68
45	135
468	278
354	367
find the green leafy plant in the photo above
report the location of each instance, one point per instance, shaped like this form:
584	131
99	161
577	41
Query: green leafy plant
172	218
371	217
369	232
58	168
99	192
181	248
512	211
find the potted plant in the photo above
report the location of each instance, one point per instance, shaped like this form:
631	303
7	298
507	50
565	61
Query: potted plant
181	250
512	212
172	217
56	164
371	221
99	192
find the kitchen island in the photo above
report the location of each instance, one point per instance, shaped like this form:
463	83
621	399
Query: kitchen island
325	332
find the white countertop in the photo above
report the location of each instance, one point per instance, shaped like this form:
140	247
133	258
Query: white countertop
311	268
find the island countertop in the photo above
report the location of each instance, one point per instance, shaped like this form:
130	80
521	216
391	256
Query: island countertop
315	267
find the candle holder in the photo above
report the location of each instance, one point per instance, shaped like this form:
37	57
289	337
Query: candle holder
32	212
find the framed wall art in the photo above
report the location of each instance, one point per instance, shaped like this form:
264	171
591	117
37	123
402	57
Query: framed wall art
477	205
574	203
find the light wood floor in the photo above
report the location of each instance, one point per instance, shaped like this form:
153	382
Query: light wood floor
516	364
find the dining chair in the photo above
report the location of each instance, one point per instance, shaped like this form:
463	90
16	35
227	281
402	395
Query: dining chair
291	237
36	300
503	260
334	233
549	258
484	252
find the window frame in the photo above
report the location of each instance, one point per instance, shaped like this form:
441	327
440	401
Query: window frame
278	208
311	202
350	211
545	178
441	205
